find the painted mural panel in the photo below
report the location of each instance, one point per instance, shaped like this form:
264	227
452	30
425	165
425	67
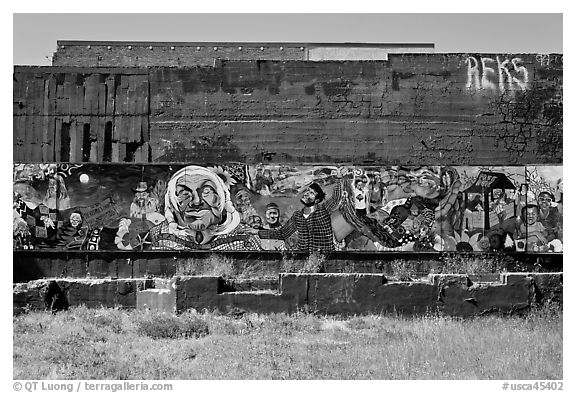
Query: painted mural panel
284	207
540	225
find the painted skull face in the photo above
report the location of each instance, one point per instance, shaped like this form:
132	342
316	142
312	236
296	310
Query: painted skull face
75	220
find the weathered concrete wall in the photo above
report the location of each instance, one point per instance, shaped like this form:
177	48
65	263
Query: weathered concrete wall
80	114
412	109
346	294
39	294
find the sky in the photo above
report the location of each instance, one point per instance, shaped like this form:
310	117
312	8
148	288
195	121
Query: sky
35	35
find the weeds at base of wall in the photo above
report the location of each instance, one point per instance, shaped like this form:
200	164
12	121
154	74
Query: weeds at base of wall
315	263
215	265
222	266
474	264
401	270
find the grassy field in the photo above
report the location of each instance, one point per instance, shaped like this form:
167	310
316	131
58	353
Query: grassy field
114	344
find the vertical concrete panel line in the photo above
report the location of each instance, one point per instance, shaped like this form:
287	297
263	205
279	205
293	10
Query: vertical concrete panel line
46	142
73	141
307	291
57	138
526	177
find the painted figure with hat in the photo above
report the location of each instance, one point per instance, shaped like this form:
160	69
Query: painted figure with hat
143	204
243	205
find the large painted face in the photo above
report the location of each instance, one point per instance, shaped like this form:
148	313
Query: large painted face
272	216
200	212
198	204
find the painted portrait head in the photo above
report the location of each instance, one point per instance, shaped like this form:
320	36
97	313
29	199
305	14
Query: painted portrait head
199	199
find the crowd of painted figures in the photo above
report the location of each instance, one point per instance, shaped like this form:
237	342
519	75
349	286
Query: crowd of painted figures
282	207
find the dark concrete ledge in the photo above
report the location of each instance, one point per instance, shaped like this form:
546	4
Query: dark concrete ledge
37	264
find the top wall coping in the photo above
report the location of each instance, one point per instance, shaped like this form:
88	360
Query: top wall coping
288	44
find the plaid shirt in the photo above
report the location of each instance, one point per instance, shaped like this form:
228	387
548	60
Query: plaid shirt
315	232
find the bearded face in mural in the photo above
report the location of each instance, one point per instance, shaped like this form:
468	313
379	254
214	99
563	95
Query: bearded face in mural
198	206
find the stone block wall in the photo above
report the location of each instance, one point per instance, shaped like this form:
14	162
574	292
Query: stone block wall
344	294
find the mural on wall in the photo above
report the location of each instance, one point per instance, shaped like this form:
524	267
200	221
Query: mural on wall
285	207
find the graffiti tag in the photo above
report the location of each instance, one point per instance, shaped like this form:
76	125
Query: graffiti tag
506	75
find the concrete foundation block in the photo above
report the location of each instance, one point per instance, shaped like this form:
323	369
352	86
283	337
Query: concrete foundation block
102	268
407	298
341	293
256	301
514	278
548	287
295	286
449	279
124	268
29	295
161	300
198	292
249	284
484	298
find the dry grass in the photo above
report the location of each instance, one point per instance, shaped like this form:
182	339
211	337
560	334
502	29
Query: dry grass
315	263
114	344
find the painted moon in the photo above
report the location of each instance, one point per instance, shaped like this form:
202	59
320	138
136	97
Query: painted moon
84	178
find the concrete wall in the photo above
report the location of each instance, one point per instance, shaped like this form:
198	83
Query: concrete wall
345	294
37	265
450	109
178	54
